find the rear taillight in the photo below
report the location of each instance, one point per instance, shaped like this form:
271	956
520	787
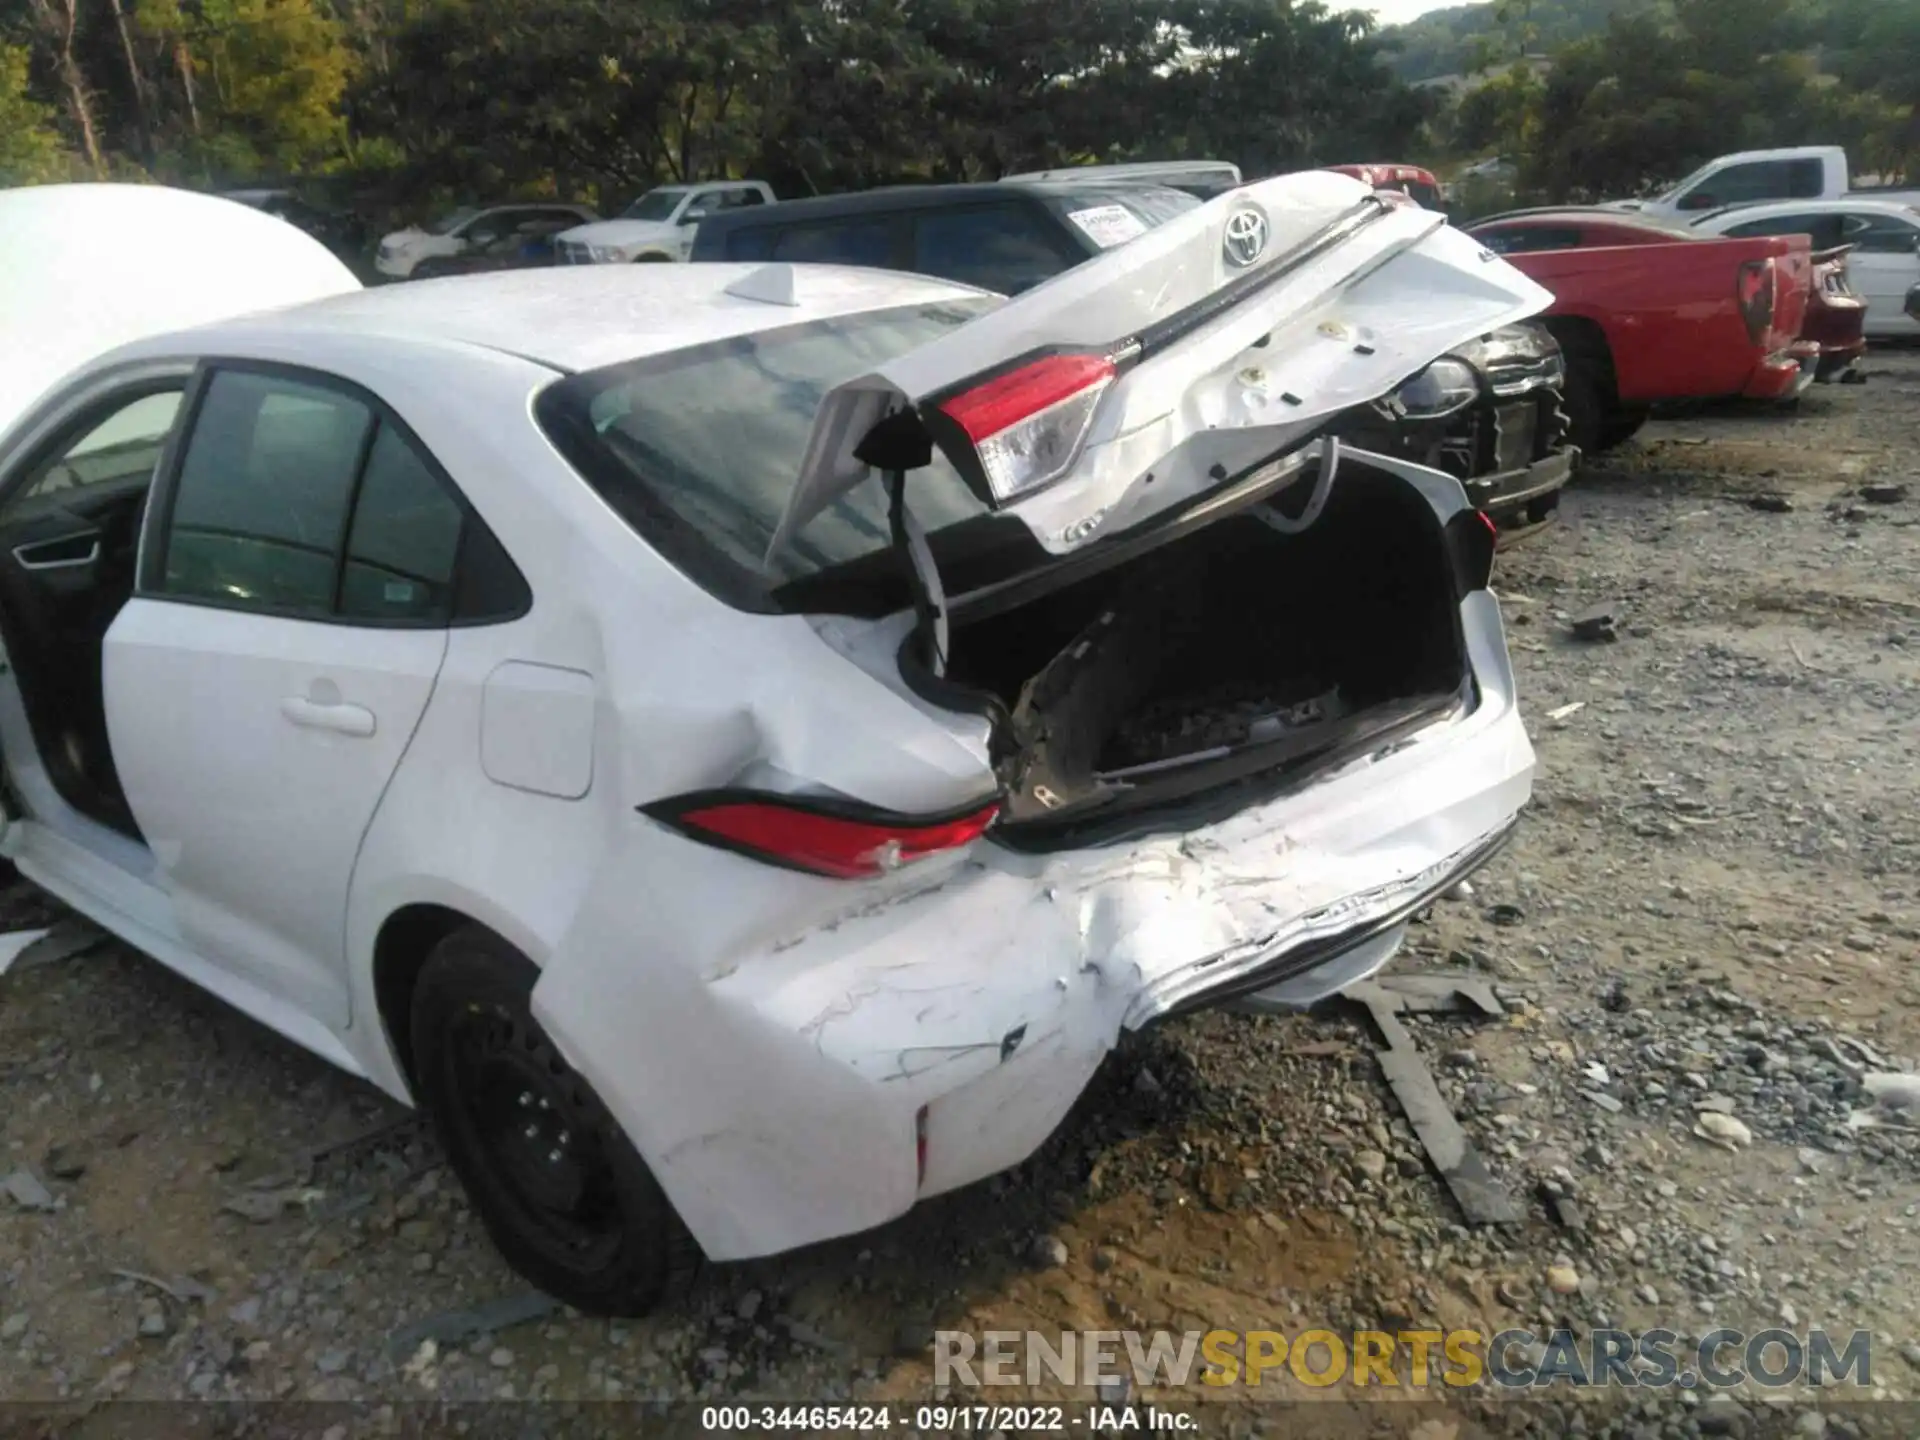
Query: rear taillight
1756	298
1026	427
840	839
1471	538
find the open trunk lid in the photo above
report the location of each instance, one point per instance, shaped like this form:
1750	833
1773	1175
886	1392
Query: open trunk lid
1160	370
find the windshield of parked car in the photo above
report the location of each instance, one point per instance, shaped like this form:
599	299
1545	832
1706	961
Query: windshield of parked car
654	205
707	443
1667	197
452	221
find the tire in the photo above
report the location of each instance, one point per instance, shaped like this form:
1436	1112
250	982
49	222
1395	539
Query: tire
1622	425
591	1228
1590	406
653	259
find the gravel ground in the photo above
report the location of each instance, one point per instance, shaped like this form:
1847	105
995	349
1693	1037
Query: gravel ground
1705	933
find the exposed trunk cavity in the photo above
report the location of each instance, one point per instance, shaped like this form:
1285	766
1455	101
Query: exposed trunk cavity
1231	660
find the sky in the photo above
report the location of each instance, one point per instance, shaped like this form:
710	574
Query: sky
1392	12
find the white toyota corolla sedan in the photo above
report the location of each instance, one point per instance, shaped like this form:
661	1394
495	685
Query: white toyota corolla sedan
738	745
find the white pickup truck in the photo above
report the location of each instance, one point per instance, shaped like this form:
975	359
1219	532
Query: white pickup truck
659	226
1809	172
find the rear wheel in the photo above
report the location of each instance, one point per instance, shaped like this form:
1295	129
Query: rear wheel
654	259
564	1195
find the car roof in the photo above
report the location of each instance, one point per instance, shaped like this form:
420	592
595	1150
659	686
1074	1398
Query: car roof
571	318
915	197
1581	215
1824	205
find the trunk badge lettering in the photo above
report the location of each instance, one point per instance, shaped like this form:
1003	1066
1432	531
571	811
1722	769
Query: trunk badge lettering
1246	237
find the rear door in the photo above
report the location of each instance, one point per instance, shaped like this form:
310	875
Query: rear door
1885	264
1169	364
289	622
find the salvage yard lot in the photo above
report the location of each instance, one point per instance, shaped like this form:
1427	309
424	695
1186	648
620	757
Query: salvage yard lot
1713	893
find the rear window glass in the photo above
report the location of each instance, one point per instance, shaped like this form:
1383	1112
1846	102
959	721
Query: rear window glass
705	444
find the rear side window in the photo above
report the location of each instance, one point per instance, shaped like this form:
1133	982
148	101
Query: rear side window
405	540
303	499
1827	230
1008	248
1757	180
865	240
699	450
1531	239
1883	234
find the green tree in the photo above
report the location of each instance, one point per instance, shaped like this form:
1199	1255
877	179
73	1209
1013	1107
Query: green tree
31	150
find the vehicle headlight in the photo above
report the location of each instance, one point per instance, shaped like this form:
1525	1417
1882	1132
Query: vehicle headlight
1443	387
608	254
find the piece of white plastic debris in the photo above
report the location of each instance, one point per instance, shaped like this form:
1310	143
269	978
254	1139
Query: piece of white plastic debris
1723	1130
13	942
1565	710
1597	1073
1896	1101
1462	891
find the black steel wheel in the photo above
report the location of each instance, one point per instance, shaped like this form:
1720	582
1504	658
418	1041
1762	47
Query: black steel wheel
561	1190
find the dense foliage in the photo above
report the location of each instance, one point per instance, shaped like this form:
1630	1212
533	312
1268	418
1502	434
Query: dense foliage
601	98
1657	89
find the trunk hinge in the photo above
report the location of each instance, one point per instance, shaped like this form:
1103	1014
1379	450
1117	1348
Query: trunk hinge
929	596
1316	502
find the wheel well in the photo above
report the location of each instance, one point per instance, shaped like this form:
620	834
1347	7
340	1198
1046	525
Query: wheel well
1583	337
399	953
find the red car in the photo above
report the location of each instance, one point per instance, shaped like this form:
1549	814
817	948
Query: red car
1421	185
1650	312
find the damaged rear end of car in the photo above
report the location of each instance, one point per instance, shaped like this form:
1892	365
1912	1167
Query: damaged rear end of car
1126	689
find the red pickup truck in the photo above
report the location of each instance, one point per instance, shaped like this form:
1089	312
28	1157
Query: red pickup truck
1649	312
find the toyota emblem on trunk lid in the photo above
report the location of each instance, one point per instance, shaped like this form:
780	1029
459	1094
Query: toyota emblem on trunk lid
1246	237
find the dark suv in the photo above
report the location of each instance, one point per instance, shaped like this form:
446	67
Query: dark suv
1490	414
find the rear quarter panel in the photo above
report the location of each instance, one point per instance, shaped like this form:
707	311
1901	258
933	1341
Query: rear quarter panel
1671	312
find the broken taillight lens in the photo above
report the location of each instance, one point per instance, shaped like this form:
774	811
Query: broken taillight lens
1756	298
839	839
1471	539
1027	426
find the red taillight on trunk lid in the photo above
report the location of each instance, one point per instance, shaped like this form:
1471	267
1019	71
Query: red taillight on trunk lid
1756	287
841	840
1027	426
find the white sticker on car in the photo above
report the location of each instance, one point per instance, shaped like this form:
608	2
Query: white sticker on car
1109	225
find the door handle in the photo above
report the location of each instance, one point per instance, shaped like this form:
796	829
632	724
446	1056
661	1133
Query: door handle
343	719
65	553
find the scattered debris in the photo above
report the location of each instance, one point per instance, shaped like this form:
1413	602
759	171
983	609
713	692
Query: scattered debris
1723	1130
1596	624
1506	916
1896	1102
62	1163
1882	493
14	942
1566	711
1047	1252
262	1206
456	1327
185	1289
1479	1195
23	1187
1771	503
1563	1280
67	940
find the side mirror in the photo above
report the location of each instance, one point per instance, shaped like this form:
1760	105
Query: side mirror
694	215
